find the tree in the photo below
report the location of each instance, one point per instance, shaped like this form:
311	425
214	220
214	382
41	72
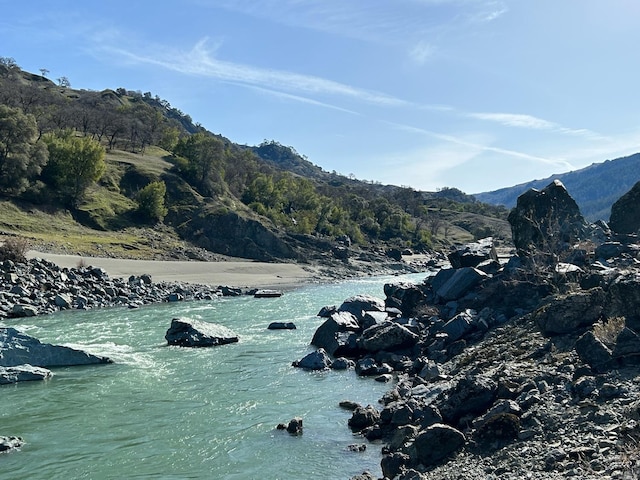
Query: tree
205	159
151	201
64	82
44	72
22	156
74	164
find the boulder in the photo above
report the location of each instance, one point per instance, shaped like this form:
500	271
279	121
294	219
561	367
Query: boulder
546	220
436	443
318	360
23	373
569	313
20	310
458	326
294	427
406	296
17	348
623	299
361	303
472	395
593	352
387	336
10	443
458	283
281	326
364	417
336	334
185	332
473	254
625	212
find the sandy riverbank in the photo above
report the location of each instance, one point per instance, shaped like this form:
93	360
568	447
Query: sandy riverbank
237	273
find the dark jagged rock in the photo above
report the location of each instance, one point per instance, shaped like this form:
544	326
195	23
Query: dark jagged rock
318	360
364	417
406	296
625	212
359	304
471	395
569	313
453	284
281	326
473	254
387	336
437	442
546	220
185	332
17	348
335	335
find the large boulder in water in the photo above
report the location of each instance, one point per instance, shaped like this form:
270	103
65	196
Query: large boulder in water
186	332
625	212
546	220
359	304
337	335
17	348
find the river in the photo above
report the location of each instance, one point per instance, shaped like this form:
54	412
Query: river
164	412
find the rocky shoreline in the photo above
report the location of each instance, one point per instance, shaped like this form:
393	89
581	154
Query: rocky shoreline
524	369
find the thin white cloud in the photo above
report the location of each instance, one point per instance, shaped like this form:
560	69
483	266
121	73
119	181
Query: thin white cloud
533	123
422	52
480	147
201	61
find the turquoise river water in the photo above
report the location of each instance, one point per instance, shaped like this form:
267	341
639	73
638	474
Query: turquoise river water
164	412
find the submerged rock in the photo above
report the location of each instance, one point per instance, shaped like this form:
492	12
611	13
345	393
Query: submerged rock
23	373
10	443
186	332
17	348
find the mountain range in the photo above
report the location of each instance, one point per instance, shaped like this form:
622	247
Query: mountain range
594	188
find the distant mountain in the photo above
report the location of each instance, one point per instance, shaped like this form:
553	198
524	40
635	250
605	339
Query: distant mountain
595	188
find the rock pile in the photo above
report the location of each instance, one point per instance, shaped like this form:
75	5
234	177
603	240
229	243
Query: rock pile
529	370
39	287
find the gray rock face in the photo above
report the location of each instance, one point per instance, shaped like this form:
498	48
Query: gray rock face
472	395
17	348
364	417
546	219
335	334
361	303
387	336
407	295
625	212
566	314
185	332
23	373
318	360
473	254
437	442
455	283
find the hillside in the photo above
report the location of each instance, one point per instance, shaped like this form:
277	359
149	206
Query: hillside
203	192
595	188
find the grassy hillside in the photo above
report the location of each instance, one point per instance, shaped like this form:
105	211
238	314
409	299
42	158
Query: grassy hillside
266	202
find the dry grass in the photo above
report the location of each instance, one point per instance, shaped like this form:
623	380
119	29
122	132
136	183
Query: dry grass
607	332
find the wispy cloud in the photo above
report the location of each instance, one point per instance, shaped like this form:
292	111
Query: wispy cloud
481	147
422	52
202	61
533	123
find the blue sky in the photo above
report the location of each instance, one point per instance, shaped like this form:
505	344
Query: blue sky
472	94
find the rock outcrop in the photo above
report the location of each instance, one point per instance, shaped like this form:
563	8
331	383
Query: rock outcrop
23	373
625	212
186	332
547	219
17	348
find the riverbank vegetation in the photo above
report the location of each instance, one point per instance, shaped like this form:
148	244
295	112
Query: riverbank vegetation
115	160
